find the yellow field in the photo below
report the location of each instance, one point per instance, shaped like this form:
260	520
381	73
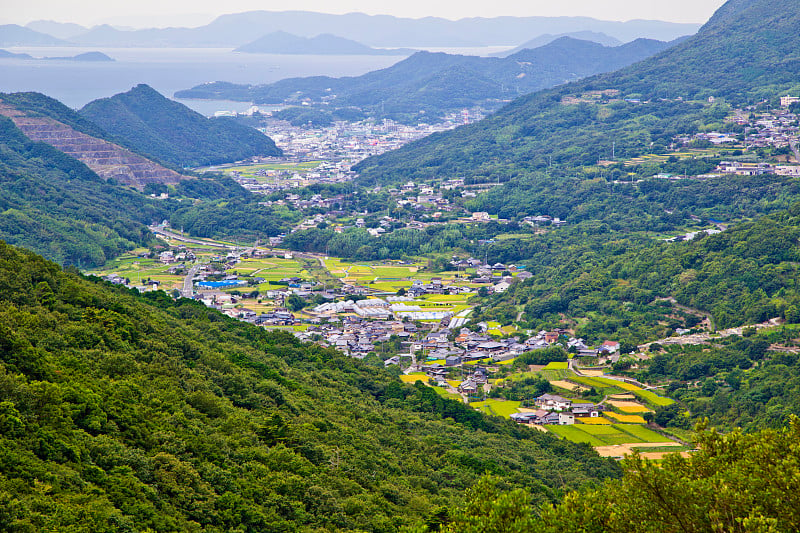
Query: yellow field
619	384
413	378
629	407
627	419
569	386
596	421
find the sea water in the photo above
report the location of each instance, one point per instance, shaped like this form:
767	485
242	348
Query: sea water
75	83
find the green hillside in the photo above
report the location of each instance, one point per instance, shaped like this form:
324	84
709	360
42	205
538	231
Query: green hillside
151	124
56	206
734	482
429	84
745	53
121	412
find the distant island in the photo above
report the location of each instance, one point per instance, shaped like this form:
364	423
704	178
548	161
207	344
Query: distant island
547	38
86	56
280	42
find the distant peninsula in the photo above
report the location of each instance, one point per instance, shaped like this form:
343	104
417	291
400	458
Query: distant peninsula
280	42
87	56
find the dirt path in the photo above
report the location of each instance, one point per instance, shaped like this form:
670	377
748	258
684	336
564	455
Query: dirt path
618	450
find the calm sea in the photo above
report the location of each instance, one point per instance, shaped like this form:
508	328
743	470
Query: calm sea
167	70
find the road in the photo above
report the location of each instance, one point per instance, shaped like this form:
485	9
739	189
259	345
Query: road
188	285
208	242
178	237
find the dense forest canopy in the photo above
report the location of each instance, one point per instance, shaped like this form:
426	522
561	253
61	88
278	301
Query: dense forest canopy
169	131
734	482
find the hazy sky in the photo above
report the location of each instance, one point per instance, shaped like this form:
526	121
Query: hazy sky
149	13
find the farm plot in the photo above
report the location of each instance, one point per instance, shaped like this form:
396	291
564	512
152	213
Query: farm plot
653	398
606	435
566	385
497	407
628	419
575	434
593	421
642	433
629	407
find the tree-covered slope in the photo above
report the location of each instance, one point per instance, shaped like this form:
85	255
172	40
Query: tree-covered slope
609	285
56	206
121	412
151	124
746	52
435	83
734	482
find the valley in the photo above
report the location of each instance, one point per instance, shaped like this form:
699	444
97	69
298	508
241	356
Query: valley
555	289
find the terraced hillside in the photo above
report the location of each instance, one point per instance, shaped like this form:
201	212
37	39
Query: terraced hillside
106	159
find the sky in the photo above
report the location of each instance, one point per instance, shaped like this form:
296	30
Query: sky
160	13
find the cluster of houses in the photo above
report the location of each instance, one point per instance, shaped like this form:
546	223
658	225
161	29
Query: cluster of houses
358	336
180	254
756	169
552	409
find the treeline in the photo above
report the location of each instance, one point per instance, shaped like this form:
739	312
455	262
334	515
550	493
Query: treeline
126	412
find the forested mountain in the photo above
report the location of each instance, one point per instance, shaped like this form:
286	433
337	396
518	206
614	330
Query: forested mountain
745	53
429	84
169	131
56	206
121	412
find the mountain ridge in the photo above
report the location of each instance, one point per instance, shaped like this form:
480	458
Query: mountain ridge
435	82
752	43
171	132
378	30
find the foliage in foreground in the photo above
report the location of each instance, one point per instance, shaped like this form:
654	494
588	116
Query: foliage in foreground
736	482
121	412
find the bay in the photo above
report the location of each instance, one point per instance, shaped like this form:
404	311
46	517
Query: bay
167	70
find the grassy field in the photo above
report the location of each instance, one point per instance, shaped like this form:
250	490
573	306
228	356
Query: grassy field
653	398
447	394
642	433
413	378
556	365
575	434
556	375
605	434
600	429
497	407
